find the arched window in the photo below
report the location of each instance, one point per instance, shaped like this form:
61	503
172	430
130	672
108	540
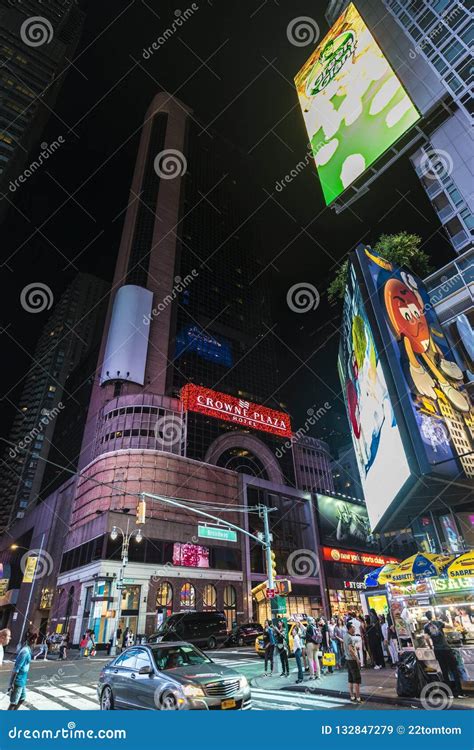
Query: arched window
187	596
164	595
209	597
230	605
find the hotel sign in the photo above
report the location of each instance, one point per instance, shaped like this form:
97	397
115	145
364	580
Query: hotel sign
230	409
371	559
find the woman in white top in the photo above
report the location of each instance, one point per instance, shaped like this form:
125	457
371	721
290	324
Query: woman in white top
5	637
298	650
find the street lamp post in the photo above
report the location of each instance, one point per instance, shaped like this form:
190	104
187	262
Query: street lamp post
126	537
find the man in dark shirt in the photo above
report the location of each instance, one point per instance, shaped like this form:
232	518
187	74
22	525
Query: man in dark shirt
444	654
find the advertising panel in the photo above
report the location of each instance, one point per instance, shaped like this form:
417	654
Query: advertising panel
354	106
371	560
381	457
429	384
222	406
212	348
190	555
344	522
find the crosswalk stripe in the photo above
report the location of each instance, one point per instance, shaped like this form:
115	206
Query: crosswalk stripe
295	697
81	689
41	702
71	698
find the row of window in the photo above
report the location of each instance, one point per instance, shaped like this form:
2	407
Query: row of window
135	410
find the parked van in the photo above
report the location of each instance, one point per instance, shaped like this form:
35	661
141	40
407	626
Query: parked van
203	629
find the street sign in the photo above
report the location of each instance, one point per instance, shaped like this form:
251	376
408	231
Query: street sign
270	593
280	602
128	580
216	532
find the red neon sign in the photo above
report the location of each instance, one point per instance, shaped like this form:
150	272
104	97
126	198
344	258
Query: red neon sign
371	559
230	409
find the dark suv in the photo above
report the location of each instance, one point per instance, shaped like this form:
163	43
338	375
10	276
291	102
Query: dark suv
204	629
244	634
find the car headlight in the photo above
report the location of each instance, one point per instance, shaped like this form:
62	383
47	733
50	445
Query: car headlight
192	691
244	683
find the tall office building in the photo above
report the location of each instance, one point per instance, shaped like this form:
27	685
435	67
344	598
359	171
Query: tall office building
70	332
37	41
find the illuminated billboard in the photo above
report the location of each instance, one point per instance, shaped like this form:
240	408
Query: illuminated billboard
344	522
354	106
213	348
429	384
349	557
244	413
381	458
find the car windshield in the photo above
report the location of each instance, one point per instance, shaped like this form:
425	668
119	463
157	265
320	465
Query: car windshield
178	656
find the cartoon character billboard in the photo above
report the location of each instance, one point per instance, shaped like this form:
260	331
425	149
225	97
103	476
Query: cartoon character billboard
381	457
354	106
429	383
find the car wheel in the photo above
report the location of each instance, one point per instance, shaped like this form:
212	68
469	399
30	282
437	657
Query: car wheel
107	700
168	702
212	643
240	641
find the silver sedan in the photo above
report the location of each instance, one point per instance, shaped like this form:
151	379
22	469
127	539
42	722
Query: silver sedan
170	676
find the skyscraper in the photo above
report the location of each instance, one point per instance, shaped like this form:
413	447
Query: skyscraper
37	39
66	338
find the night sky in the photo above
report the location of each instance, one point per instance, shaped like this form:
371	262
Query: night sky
233	63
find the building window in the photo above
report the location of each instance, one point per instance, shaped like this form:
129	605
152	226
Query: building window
230	605
164	595
209	597
187	596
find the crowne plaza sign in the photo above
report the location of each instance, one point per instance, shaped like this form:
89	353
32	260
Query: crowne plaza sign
230	409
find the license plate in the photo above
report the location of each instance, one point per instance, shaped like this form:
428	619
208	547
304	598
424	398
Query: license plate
229	703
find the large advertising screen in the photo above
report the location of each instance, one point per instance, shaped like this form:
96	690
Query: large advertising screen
213	348
381	458
354	106
429	383
346	523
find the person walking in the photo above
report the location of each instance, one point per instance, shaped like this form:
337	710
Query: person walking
298	652
444	654
357	634
125	637
351	653
282	646
63	646
130	638
118	639
313	641
5	638
270	640
339	631
392	641
375	638
82	645
43	648
326	641
20	672
90	644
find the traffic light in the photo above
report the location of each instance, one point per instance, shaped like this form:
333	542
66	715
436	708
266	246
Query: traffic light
141	512
273	566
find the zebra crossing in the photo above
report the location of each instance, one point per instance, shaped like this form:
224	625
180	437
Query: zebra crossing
286	700
68	697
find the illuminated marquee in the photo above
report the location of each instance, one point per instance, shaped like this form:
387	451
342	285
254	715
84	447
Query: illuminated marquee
356	558
230	409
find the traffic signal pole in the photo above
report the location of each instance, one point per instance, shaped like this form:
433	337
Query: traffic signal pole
267	541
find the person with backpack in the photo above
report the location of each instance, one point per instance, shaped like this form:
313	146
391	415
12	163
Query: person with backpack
270	641
444	654
313	641
282	646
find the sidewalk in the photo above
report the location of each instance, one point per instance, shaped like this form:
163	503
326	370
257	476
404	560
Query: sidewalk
378	686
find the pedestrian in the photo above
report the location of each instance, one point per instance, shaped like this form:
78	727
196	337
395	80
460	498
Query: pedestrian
90	644
118	639
282	646
351	653
63	646
270	641
392	641
125	638
5	638
444	654
130	639
298	651
326	641
304	654
375	638
19	675
313	642
357	625
43	648
82	645
339	637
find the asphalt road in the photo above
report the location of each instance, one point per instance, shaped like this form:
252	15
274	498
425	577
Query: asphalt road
71	685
